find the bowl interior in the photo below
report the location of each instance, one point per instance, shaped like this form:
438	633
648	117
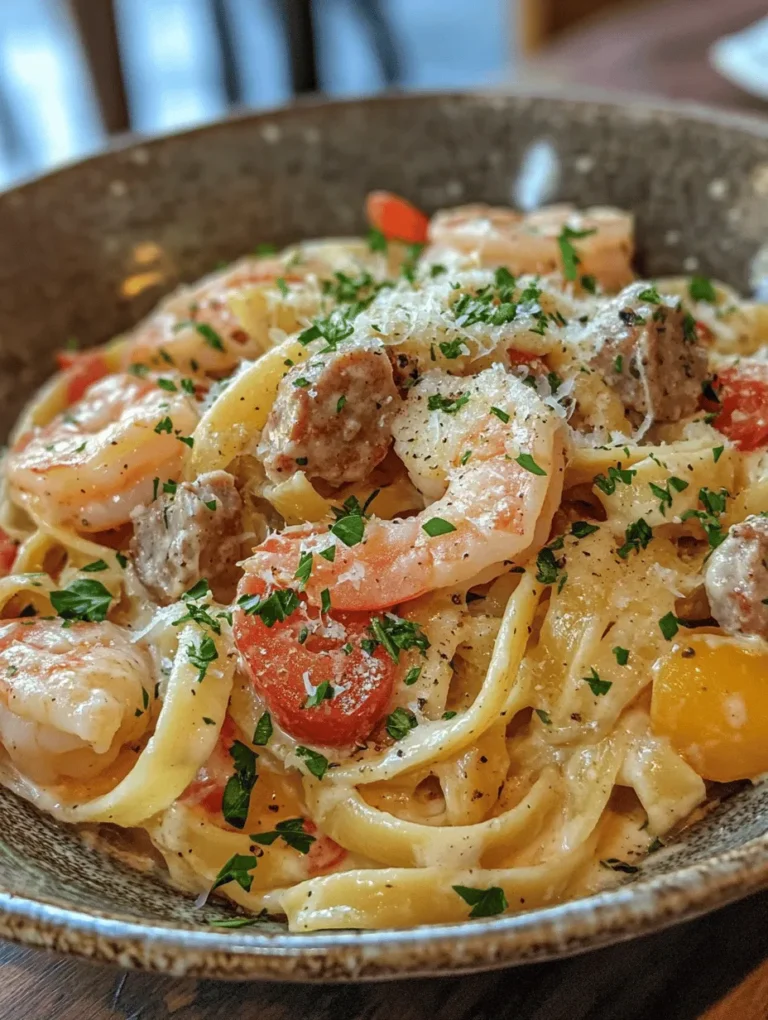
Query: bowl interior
88	250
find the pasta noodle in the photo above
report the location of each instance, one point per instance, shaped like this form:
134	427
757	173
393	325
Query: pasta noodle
383	585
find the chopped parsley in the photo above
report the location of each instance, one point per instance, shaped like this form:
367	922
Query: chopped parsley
237	793
304	568
717	453
263	730
622	655
450	405
333	329
376	240
664	493
395	635
291	831
168	385
325	601
589	283
329	553
544	716
436	526
451	348
615	475
317	763
203	656
568	253
596	685
714	505
638	534
208	333
323	692
547	565
400	723
700	288
689	329
525	460
301	383
94	568
412	676
580	529
275	608
484	902
237	869
164	425
340	404
83	599
651	295
668	625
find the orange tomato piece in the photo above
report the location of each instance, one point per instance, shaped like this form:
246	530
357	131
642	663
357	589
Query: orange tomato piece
743	417
291	659
82	370
396	218
710	697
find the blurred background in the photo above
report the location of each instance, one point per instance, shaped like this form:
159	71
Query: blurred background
75	72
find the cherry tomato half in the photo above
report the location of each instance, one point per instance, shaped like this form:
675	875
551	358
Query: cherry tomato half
396	218
290	660
743	417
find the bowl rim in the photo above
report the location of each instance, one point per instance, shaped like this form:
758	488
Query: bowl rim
639	907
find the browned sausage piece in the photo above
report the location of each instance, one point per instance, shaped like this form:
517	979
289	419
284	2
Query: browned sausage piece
332	417
188	534
736	578
648	352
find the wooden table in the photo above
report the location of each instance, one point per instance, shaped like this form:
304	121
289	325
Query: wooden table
710	969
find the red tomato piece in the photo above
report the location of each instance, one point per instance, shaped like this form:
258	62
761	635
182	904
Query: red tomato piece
287	671
743	417
533	361
82	369
396	218
207	788
8	550
324	855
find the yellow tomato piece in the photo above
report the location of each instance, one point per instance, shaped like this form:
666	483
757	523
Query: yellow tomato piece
713	705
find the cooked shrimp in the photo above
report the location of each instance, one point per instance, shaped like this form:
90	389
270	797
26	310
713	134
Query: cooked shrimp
70	697
88	468
227	317
498	456
528	243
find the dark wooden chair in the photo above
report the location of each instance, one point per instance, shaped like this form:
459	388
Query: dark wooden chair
96	24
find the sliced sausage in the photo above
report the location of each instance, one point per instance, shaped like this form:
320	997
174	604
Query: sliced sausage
332	417
649	353
736	578
188	534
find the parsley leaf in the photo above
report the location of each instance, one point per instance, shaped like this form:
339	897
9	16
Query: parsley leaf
638	534
668	625
544	716
95	567
622	655
568	253
317	763
276	608
451	348
263	730
237	793
580	529
501	415
202	657
400	723
291	831
450	405
596	685
412	676
304	568
237	869
525	460
324	692
700	288
484	902
615	475
83	599
395	635
436	526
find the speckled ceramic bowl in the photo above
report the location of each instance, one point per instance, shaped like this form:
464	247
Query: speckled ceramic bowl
88	250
